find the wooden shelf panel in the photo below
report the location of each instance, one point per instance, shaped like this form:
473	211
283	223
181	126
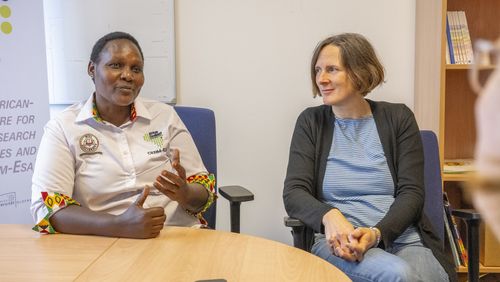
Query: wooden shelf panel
467	67
456	177
482	269
459	122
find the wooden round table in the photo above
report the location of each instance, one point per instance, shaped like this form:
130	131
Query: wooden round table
187	254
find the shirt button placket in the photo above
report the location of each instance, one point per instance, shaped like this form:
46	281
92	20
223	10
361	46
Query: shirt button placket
127	156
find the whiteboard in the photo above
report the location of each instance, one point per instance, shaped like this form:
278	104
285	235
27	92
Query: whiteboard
73	26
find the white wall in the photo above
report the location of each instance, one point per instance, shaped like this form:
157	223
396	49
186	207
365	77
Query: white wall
70	36
248	61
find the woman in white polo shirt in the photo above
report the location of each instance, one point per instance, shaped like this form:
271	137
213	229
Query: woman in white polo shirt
118	165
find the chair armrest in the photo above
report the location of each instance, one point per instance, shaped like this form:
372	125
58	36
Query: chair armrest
299	240
472	220
236	193
292	222
466	214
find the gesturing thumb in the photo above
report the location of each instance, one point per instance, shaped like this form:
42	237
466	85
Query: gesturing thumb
142	197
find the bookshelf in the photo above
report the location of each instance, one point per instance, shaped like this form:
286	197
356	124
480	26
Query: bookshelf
444	101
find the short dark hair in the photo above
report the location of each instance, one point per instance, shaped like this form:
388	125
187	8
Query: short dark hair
359	59
101	42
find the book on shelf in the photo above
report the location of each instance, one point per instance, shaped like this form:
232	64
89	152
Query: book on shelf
457	240
451	241
453	47
462	19
459	45
450	57
459	37
458	166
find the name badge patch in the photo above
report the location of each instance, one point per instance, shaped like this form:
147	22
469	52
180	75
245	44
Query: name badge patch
89	144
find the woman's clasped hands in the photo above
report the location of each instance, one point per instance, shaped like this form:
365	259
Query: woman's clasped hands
344	240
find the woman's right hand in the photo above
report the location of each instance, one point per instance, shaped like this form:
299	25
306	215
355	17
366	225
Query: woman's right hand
138	222
337	231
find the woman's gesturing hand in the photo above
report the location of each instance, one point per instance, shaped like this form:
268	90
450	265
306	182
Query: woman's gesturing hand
138	222
174	185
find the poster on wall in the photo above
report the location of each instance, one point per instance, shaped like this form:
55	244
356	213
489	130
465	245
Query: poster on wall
24	106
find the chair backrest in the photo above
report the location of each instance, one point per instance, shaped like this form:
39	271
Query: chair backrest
433	206
201	125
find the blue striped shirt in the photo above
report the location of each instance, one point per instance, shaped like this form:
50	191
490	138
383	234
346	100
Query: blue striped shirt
357	178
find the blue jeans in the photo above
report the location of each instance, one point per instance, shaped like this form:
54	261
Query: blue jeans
401	262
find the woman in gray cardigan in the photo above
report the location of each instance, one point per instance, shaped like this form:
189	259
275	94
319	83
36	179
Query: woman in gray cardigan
355	173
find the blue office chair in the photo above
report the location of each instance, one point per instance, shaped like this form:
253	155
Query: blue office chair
201	125
433	206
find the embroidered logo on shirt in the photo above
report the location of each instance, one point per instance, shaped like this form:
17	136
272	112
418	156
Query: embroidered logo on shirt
89	144
155	137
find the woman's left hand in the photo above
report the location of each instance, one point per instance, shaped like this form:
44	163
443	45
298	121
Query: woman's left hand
174	185
361	240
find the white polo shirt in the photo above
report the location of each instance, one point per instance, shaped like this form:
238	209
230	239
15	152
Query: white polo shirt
105	167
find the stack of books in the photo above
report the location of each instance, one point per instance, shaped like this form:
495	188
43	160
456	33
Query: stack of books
459	47
456	244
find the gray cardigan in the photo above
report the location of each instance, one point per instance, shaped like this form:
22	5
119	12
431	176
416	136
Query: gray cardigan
402	145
